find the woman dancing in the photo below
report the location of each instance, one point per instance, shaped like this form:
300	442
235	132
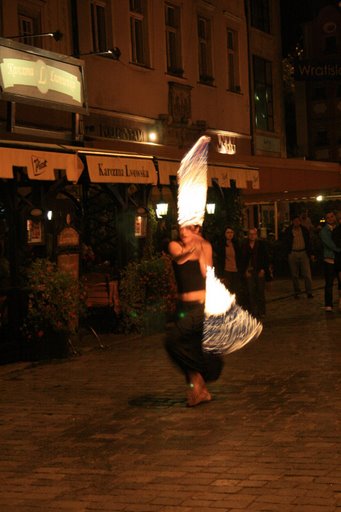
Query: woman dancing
191	255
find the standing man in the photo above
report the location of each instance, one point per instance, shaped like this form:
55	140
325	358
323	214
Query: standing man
336	236
255	267
329	251
298	247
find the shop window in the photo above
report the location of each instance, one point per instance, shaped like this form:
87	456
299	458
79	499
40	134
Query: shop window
205	50
232	61
98	26
263	94
260	15
173	39
139	32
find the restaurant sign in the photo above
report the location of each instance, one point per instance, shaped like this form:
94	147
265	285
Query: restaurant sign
309	70
35	76
119	169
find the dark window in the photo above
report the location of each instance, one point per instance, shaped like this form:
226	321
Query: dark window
205	50
330	45
173	39
139	32
98	27
232	61
260	15
29	25
263	94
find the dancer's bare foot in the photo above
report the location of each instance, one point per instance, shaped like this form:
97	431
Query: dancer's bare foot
197	392
194	398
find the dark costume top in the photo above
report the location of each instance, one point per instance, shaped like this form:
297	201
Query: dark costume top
188	276
184	341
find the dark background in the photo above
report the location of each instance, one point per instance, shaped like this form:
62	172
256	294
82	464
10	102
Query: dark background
293	14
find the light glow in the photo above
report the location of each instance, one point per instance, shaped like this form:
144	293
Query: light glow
192	179
227	326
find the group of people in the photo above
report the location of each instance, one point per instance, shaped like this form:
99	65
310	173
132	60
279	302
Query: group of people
244	267
298	247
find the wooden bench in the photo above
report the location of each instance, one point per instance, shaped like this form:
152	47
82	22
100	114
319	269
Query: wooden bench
101	294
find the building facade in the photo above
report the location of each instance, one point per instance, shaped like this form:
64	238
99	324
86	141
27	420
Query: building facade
318	88
154	76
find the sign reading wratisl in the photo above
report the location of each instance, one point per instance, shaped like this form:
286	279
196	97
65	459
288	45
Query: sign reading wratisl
119	169
34	76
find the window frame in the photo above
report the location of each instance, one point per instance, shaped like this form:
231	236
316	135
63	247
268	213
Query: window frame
99	29
233	73
173	35
260	15
34	17
205	60
264	89
138	26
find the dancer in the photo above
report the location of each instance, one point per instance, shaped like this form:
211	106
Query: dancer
191	255
207	324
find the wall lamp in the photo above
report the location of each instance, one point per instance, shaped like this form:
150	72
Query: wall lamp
57	35
210	208
161	210
111	53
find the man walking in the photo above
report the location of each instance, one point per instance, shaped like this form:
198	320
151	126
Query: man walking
298	247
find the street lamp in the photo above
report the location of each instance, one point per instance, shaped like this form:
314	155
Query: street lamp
161	210
111	53
57	35
210	208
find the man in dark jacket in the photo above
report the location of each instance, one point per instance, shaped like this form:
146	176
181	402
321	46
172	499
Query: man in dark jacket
297	244
254	266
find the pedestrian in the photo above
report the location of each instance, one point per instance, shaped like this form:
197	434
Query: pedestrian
329	251
297	245
336	236
229	262
191	254
255	269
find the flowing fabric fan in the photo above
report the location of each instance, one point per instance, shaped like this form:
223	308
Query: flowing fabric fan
192	180
227	326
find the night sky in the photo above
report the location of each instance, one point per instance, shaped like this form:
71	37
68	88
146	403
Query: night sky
293	13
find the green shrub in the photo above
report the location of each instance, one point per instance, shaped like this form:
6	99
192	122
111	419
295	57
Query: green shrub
146	287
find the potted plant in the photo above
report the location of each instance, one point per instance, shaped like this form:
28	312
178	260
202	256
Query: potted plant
147	294
55	301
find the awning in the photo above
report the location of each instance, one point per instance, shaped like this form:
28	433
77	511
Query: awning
242	176
40	165
121	169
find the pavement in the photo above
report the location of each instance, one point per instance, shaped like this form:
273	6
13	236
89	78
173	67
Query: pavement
108	430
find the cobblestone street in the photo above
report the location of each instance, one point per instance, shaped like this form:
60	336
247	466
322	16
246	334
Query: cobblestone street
109	431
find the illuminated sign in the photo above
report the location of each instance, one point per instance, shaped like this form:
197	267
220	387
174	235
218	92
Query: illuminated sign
31	75
317	71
